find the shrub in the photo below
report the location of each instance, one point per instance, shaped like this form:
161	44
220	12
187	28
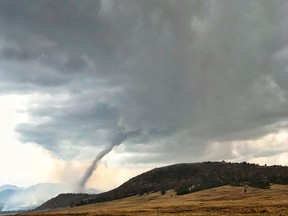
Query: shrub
259	183
182	190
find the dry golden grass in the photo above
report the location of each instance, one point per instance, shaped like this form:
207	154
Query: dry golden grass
225	200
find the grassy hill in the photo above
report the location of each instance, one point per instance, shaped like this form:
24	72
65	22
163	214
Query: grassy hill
225	200
183	178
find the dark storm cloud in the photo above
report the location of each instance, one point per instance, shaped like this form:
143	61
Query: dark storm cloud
78	120
189	74
14	53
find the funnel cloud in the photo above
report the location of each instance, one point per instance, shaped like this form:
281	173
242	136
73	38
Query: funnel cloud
117	138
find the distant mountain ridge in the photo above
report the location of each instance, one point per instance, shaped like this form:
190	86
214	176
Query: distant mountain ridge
13	198
8	186
187	177
4	196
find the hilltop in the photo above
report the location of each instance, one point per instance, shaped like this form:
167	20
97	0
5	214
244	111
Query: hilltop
183	178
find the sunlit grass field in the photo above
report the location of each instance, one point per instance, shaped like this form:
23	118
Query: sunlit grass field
224	200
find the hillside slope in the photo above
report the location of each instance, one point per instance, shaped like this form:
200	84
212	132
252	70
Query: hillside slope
225	200
194	176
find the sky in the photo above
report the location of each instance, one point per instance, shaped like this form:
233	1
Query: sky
200	81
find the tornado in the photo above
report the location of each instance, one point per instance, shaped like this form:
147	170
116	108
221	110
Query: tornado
119	137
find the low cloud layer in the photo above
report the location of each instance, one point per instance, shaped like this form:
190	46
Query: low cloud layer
193	76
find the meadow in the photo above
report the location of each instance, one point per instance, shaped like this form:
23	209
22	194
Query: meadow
226	200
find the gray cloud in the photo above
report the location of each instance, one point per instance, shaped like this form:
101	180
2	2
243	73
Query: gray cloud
14	53
78	122
187	73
